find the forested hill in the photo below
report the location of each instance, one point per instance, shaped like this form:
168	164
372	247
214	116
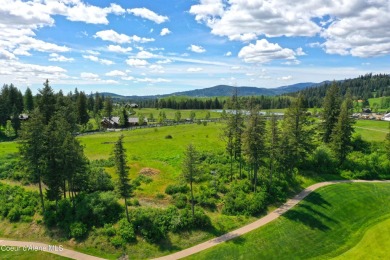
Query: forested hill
363	87
224	91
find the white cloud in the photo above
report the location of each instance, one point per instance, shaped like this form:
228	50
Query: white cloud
96	59
166	61
119	49
194	69
6	55
196	48
116	73
228	54
300	52
165	31
285	78
113	36
348	27
136	62
152	80
144	55
148	14
93	52
106	62
60	58
263	52
157	68
89	75
91	58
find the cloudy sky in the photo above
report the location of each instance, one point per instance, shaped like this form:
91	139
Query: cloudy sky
147	47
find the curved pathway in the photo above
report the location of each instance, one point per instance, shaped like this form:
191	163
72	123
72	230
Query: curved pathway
200	247
258	223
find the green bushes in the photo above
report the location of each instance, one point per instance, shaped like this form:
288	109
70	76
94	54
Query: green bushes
126	231
240	201
78	230
17	204
176	188
322	160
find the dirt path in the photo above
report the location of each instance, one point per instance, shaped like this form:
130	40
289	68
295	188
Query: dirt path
258	223
34	246
195	249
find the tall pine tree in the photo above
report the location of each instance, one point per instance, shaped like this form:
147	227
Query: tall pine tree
330	111
124	187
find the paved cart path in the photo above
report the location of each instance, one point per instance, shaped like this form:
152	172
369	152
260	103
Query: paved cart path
200	247
258	223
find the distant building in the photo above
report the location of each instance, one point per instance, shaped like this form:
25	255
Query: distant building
114	122
23	117
133	121
386	117
132	105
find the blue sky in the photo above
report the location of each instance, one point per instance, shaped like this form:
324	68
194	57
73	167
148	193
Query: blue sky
147	47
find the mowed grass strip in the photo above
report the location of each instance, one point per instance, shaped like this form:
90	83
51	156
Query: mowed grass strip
375	244
29	255
326	224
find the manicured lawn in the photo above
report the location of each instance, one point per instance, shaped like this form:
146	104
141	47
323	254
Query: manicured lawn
326	224
375	244
372	130
29	255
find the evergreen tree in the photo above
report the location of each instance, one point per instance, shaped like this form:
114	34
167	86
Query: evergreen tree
98	105
297	131
81	109
331	110
28	100
108	107
341	142
190	171
46	101
91	103
124	187
141	119
192	115
33	149
254	142
124	119
273	142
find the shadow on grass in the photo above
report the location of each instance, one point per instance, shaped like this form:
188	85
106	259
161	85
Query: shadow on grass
307	215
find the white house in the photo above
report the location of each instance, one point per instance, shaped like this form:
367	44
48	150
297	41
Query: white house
386	117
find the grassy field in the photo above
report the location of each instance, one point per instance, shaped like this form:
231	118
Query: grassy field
375	244
30	255
372	130
328	223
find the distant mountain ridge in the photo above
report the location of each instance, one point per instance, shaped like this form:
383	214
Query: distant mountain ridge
225	90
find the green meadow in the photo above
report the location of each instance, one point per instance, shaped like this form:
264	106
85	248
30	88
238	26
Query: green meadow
372	130
332	221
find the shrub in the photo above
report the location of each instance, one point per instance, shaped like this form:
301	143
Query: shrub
117	241
176	188
14	214
322	160
126	231
160	196
180	200
109	230
78	230
168	137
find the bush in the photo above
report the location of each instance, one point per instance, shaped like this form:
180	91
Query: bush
126	231
117	241
180	200
109	230
14	214
176	188
206	197
240	201
98	208
168	137
322	160
78	230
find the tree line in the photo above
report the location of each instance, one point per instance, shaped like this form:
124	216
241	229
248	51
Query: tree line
361	88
